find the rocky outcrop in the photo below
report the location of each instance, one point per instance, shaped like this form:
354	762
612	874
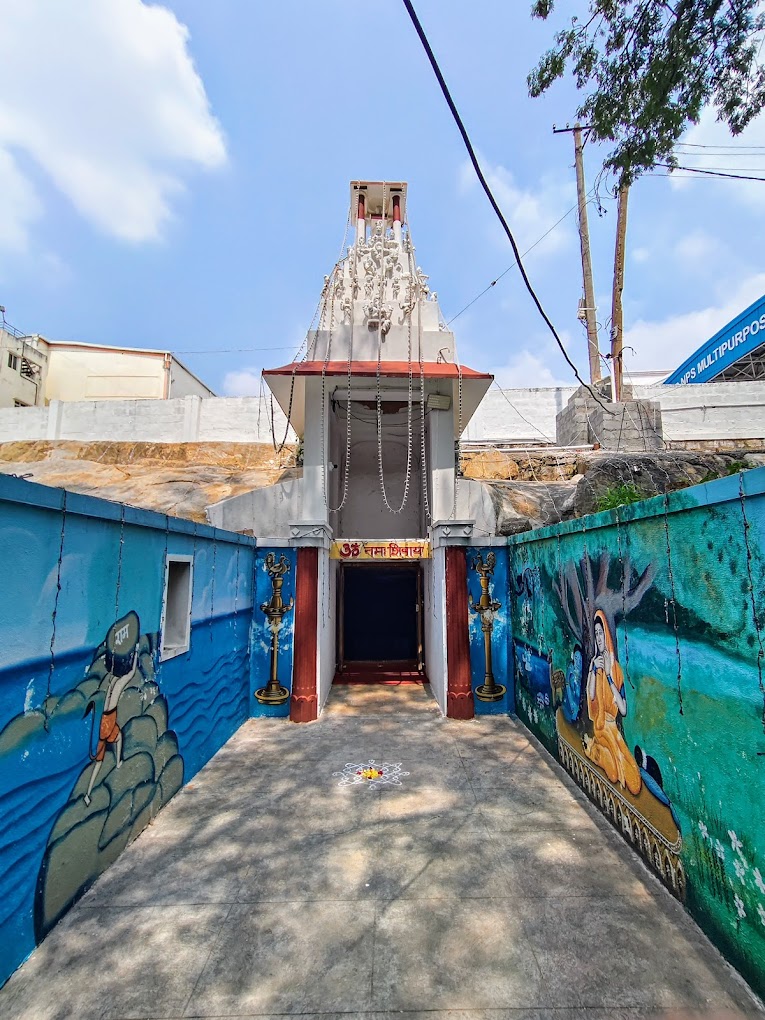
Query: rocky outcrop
526	494
497	464
649	474
521	506
180	479
528	488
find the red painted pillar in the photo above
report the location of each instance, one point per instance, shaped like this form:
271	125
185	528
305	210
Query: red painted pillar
304	702
459	690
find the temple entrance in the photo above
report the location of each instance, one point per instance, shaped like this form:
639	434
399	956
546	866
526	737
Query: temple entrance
380	623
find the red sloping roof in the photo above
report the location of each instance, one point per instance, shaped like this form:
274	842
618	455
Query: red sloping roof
431	369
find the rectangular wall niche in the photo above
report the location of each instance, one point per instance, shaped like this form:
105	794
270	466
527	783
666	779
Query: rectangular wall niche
176	607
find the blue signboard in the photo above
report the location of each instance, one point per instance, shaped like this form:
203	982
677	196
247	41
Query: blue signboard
741	336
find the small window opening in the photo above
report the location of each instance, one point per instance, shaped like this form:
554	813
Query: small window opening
176	611
13	361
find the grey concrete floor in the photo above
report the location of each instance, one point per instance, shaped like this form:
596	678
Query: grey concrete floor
483	886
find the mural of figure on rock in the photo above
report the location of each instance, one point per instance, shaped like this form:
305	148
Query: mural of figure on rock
606	703
122	661
134	770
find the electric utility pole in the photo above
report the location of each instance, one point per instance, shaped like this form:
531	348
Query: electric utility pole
617	320
593	351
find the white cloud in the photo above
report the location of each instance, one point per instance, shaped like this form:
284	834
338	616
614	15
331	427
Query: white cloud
711	132
21	206
640	255
105	99
528	369
244	383
698	246
530	213
666	343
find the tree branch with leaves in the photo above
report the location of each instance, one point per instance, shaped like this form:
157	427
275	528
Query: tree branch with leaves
649	67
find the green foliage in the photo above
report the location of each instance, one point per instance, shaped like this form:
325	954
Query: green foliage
618	495
649	67
732	469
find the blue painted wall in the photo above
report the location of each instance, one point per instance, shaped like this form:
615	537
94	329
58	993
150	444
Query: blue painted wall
639	638
75	566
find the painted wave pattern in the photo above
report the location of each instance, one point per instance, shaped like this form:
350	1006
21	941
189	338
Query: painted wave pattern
210	703
207	698
47	750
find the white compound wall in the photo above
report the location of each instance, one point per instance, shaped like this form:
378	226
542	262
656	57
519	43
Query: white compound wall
705	412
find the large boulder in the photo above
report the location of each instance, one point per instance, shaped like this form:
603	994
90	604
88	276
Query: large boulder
521	506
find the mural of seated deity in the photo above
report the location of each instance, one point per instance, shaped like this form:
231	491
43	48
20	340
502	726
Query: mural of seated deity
579	708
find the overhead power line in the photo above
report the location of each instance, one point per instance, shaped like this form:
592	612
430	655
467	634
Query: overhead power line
239	350
710	173
492	200
731	148
514	264
732	171
726	157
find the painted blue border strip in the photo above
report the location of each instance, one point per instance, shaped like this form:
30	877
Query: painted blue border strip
710	359
46	497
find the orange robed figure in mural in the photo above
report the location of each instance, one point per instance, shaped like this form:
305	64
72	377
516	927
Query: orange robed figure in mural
605	702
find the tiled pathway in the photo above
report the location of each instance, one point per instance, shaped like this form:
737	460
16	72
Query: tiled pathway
484	886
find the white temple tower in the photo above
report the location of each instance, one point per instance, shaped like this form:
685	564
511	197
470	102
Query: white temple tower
379	400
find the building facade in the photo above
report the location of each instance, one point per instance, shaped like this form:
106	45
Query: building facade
80	371
23	368
736	353
379	401
35	371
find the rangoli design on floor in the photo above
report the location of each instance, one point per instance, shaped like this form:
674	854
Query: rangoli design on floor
371	773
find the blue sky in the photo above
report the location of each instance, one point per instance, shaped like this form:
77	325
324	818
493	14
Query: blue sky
176	176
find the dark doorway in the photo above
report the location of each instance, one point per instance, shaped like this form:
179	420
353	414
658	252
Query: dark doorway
380	615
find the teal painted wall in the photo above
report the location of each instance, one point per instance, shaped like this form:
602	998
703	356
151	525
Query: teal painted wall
81	573
637	641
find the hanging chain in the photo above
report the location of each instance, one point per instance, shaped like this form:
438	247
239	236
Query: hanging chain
457	448
298	360
407	480
346	473
414	301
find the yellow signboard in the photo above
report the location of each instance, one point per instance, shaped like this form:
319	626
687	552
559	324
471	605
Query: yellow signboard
355	550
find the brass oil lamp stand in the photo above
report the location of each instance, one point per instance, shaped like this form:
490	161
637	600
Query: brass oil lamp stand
275	609
486	608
